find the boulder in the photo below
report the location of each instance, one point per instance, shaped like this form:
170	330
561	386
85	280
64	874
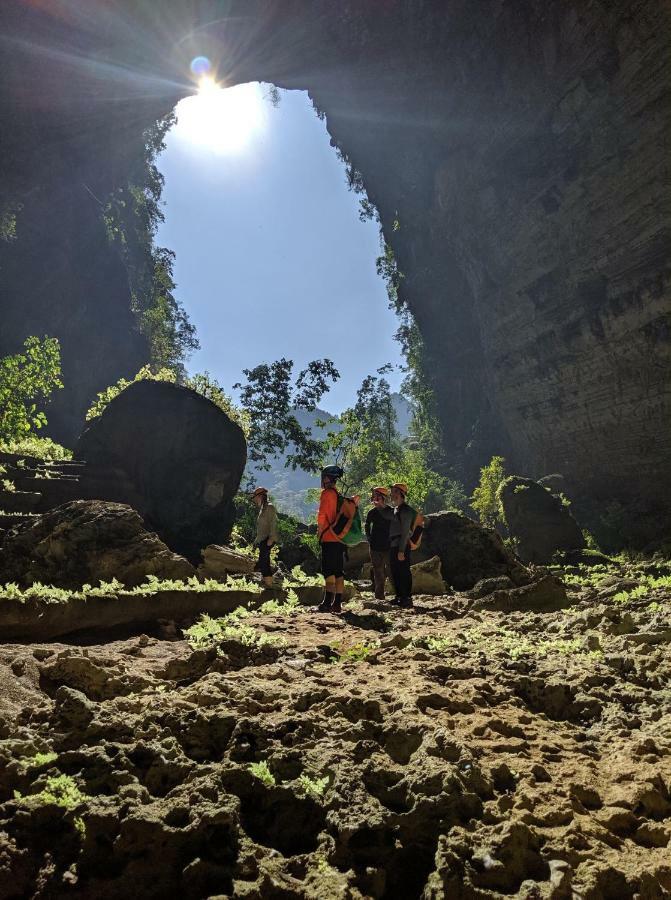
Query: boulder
221	561
427	578
467	551
85	542
538	520
357	556
174	456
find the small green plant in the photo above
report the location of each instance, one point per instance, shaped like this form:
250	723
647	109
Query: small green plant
261	771
208	632
637	593
353	653
39	759
80	827
276	608
60	790
8	485
314	787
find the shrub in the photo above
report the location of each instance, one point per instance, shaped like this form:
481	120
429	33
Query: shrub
485	499
261	771
27	380
38	447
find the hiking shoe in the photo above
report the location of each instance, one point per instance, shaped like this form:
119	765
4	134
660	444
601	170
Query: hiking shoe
406	603
336	607
324	606
394	601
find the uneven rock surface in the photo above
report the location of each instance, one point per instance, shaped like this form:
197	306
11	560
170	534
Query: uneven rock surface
85	542
538	520
181	454
220	561
445	752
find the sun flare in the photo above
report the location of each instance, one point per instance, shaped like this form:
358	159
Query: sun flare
221	120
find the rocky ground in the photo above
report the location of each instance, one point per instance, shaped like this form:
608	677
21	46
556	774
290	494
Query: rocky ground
452	751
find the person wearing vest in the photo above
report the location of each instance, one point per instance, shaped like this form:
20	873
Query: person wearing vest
378	523
399	550
332	550
266	533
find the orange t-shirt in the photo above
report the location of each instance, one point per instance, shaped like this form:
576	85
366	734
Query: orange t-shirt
327	515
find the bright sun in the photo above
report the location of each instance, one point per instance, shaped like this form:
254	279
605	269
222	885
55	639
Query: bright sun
222	120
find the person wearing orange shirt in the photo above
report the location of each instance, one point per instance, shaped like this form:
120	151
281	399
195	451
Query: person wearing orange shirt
332	550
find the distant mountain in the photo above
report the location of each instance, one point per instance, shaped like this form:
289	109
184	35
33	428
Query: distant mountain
289	487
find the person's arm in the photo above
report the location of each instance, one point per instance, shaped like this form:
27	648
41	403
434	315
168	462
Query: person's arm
273	535
261	528
406	528
369	523
328	507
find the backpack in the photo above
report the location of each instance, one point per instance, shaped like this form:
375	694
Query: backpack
347	526
417	531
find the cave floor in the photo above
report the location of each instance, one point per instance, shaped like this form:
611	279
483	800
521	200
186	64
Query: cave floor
438	752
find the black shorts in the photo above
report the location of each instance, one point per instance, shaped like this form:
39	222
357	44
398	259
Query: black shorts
333	559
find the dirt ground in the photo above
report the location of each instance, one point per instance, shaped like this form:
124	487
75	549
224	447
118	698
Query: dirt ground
448	751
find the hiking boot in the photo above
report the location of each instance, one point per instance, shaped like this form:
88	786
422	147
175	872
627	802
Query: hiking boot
326	604
406	603
336	606
394	601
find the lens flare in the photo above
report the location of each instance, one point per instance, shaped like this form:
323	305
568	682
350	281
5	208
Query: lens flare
201	66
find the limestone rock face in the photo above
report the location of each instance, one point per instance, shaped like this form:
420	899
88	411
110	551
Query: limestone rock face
175	456
538	520
468	552
85	542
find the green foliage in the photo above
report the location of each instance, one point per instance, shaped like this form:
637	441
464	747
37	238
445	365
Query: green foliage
354	653
60	790
269	397
311	541
485	500
208	632
287	607
27	380
435	644
203	383
369	448
132	215
38	447
314	787
261	771
38	760
8	211
8	485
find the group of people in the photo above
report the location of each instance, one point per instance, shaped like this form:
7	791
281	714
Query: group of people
388	529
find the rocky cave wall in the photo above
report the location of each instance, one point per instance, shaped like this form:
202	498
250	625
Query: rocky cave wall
521	146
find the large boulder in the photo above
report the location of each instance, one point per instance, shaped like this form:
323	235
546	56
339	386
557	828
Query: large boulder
219	562
538	520
467	551
85	542
174	456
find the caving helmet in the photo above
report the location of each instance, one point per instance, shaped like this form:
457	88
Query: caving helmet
332	472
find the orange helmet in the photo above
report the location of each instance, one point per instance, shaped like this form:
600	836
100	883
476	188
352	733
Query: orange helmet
380	490
403	488
258	491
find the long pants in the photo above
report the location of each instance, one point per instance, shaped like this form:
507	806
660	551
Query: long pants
263	564
380	563
401	574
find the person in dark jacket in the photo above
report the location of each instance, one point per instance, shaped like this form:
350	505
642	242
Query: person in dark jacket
378	522
399	550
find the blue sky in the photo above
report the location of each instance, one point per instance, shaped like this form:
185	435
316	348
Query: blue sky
272	259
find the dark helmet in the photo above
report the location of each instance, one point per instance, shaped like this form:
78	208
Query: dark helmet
334	472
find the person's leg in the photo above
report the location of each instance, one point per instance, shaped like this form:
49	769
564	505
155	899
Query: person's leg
264	564
336	606
378	560
395	573
406	577
329	579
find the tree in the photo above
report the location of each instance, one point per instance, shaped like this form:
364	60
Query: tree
485	500
371	451
269	397
26	380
